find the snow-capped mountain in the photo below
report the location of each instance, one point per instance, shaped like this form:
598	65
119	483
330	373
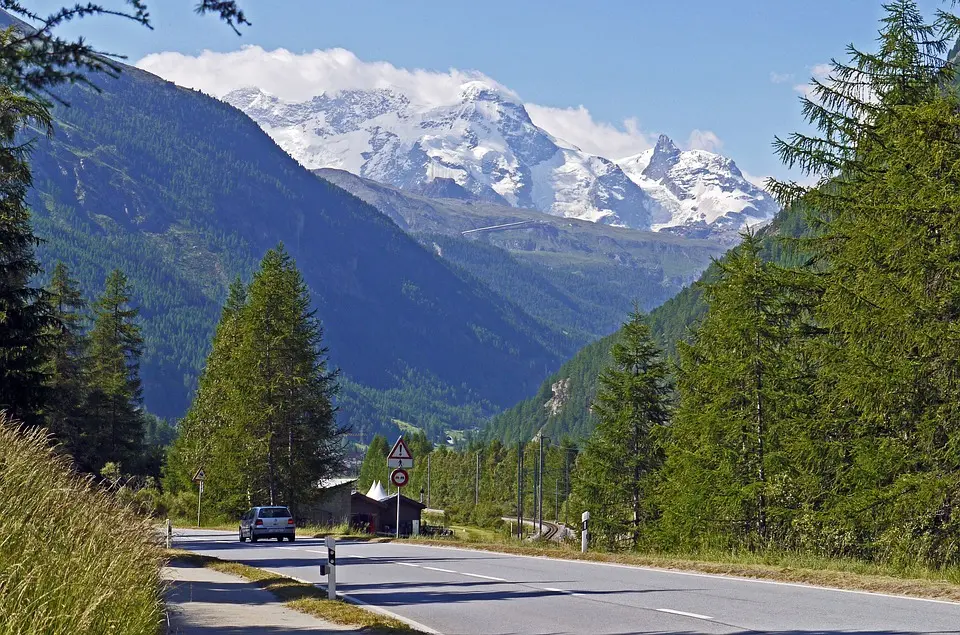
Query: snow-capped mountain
482	145
703	191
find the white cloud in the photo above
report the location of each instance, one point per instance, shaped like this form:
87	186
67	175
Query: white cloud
780	78
704	140
578	127
300	76
819	72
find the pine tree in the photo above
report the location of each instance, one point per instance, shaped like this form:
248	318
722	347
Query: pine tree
23	313
66	363
302	443
115	392
263	420
744	397
213	433
616	471
886	212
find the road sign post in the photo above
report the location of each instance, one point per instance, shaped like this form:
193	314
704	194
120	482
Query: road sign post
199	477
401	460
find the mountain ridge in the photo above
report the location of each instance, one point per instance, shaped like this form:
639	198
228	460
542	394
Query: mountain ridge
482	145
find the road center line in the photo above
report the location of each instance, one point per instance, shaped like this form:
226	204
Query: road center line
685	614
436	569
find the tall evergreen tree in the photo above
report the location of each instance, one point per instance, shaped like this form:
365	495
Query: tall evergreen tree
66	364
263	418
294	387
213	434
115	392
23	313
744	390
616	471
886	214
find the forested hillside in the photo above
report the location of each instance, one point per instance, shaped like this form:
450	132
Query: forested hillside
580	278
184	193
561	405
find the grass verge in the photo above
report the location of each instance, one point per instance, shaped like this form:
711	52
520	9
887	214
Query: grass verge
782	567
300	596
73	559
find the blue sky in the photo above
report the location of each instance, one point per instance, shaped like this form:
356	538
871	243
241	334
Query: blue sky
726	68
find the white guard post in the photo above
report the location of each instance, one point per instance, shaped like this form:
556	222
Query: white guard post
584	531
331	567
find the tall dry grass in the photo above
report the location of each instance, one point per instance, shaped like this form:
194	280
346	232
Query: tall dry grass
72	559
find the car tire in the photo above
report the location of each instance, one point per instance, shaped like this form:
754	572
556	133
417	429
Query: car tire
291	538
279	538
242	539
253	536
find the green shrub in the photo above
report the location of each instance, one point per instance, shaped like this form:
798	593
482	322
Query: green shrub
73	559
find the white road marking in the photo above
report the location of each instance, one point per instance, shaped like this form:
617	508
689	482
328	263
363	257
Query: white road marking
694	574
484	577
409	564
546	588
685	614
436	569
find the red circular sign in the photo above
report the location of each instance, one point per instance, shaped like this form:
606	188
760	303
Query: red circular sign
399	477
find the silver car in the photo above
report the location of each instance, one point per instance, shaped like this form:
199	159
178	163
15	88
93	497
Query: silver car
268	522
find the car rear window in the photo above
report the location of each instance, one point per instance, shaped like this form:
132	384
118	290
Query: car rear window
274	512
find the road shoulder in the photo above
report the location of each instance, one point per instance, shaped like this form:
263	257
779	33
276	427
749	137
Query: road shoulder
202	601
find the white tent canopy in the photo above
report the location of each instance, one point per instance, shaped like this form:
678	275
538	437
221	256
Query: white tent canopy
377	492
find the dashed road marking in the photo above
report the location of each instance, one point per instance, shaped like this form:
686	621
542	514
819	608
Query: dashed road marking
685	614
483	577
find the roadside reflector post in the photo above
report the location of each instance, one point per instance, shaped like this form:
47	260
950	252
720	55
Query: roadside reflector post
331	567
169	534
584	532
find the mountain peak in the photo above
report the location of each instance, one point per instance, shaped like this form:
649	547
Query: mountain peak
480	90
665	145
665	156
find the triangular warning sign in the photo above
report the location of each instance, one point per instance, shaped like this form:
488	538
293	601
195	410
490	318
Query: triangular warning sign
400	451
199	476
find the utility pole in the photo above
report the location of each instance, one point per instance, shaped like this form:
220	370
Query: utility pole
476	492
540	487
428	479
520	490
566	480
556	509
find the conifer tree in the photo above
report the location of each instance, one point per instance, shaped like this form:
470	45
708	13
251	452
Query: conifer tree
294	388
886	212
66	364
212	434
616	471
743	387
115	392
23	313
263	418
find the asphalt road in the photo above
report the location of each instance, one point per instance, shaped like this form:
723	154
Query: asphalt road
463	592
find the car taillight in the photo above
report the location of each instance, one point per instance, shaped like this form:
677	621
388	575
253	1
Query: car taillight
290	522
259	522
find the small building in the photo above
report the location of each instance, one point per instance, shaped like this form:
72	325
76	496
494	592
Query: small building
366	513
333	504
373	512
410	511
